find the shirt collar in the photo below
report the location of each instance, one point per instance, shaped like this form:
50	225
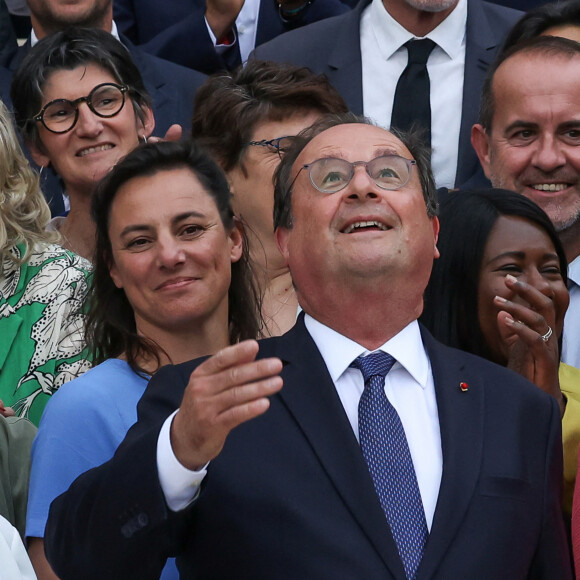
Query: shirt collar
114	32
574	271
338	351
391	36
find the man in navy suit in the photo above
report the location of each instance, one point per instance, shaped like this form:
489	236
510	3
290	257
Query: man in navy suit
249	479
363	55
186	31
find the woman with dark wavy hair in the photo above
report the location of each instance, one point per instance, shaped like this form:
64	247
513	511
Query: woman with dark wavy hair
171	283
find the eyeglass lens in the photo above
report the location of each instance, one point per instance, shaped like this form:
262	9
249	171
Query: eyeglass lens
332	174
105	101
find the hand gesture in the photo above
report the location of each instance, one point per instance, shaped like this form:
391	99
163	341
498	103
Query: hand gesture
527	330
173	134
224	391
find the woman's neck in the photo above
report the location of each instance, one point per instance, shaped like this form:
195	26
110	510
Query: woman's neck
78	229
178	346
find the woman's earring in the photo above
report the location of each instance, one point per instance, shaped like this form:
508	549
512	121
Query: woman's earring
144	137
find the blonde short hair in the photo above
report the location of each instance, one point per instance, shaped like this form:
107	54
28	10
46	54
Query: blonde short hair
24	212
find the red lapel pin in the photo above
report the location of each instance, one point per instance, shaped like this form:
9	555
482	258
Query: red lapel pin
463	386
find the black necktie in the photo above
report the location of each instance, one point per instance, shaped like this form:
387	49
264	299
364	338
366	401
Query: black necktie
411	104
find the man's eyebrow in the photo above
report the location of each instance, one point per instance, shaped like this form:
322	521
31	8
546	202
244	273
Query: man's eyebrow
567	125
520	124
387	151
380	152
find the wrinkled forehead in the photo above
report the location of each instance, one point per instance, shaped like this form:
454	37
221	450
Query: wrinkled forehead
353	142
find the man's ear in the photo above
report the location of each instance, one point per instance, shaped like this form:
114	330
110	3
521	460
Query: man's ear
435	224
480	142
282	238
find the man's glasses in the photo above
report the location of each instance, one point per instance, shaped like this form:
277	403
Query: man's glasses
278	145
61	115
332	174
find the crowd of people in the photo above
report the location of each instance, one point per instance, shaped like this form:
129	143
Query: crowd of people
289	289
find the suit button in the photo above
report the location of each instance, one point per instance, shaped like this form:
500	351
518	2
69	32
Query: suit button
134	525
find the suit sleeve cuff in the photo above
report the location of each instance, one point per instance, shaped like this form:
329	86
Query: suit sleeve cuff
219	45
180	485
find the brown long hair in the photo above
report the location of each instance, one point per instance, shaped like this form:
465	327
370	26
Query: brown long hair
111	330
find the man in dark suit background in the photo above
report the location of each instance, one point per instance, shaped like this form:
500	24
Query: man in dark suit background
251	480
186	31
172	87
363	54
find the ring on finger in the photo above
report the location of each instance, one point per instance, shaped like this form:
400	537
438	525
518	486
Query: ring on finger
545	337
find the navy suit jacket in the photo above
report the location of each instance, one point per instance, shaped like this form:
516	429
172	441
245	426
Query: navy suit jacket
290	496
333	47
176	29
172	89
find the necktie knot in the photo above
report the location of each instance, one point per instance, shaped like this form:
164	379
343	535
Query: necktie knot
376	364
419	50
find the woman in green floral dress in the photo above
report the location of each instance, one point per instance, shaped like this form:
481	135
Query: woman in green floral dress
42	288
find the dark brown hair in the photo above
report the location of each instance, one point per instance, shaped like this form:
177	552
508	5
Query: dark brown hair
111	327
228	106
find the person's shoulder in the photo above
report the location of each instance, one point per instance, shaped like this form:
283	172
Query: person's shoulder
569	380
107	381
44	253
316	36
496	13
13	429
151	65
106	395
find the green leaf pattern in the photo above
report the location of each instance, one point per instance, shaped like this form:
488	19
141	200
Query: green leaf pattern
47	293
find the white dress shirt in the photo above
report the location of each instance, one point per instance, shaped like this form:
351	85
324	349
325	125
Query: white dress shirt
571	339
384	57
409	387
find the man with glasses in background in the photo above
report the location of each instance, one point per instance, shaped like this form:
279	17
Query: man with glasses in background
246	119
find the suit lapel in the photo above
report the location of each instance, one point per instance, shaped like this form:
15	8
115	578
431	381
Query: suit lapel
482	42
344	62
311	398
461	424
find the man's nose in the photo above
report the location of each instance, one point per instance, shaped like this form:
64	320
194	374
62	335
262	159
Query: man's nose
549	154
362	185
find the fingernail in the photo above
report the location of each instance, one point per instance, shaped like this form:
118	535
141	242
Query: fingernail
510	320
511	278
500	299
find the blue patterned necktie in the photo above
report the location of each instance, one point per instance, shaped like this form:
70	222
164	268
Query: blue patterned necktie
386	451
